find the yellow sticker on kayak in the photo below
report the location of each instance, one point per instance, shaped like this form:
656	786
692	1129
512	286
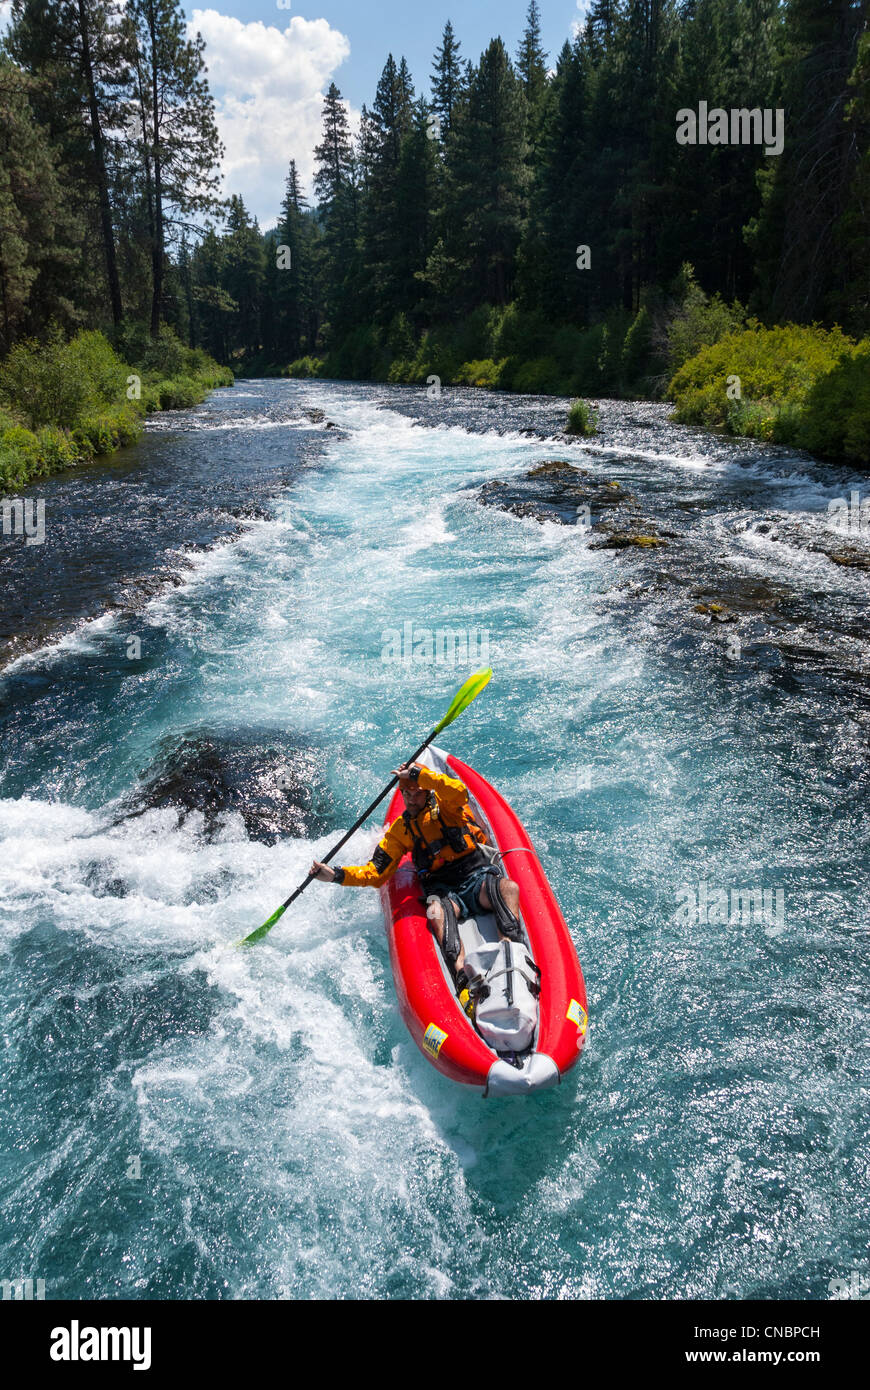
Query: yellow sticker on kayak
433	1040
577	1014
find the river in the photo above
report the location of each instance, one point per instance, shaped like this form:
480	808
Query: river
201	690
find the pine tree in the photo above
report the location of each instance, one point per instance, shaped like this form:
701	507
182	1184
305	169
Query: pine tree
796	239
294	270
855	227
180	143
334	182
600	29
214	307
386	215
333	154
103	64
78	51
38	231
365	151
487	179
415	197
532	64
243	276
447	79
559	223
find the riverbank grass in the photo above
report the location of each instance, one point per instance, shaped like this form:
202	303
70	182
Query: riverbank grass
66	403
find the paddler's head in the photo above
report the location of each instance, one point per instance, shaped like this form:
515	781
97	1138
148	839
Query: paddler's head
415	797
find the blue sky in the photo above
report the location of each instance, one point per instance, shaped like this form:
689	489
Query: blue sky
403	27
270	62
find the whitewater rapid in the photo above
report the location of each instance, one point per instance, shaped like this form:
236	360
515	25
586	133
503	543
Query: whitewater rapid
181	1119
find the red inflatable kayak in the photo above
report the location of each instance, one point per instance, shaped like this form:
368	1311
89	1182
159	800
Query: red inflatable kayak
426	991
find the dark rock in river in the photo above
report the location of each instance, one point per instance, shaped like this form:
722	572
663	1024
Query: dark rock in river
249	511
624	540
273	789
556	490
846	555
741	593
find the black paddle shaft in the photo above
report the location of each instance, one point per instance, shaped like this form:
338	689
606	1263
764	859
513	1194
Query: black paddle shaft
355	827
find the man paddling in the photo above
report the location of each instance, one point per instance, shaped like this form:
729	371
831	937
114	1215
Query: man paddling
439	831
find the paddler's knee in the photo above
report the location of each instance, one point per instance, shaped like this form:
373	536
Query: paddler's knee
510	891
441	913
435	916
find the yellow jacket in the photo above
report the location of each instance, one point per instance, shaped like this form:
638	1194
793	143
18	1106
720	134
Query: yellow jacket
448	808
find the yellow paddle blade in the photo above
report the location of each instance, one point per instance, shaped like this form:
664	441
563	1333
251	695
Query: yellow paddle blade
464	697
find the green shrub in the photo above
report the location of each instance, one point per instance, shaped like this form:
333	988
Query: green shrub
699	321
57	383
21	451
57	449
436	356
581	419
73	397
36	381
805	386
178	393
636	349
401	372
483	372
540	377
305	367
521	333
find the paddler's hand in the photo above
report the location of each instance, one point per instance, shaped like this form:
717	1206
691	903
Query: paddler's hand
403	772
322	872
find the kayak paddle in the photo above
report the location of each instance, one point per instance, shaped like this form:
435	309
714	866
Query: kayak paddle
461	700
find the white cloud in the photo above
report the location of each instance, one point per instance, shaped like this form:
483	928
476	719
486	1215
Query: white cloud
268	85
5	14
577	25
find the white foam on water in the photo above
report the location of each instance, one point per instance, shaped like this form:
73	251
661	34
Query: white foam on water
79	642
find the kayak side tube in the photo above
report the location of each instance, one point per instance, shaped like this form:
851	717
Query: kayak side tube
563	1007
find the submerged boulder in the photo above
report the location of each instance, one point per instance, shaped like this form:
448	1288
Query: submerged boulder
273	789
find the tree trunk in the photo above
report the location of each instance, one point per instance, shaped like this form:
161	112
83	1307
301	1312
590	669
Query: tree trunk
157	240
100	164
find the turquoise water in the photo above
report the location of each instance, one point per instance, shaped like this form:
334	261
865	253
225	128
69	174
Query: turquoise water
180	1119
